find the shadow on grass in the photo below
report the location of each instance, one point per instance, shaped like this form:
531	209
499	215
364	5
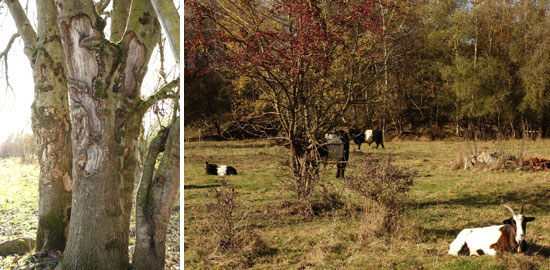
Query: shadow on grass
230	146
538	250
533	200
252	145
196	187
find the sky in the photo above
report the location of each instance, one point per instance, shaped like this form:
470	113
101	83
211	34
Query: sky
15	112
15	106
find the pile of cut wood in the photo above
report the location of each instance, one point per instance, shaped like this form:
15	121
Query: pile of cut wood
536	164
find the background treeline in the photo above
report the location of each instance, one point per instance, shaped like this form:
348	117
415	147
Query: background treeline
21	146
435	68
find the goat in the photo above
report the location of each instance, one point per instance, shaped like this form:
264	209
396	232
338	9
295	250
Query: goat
213	169
369	136
509	237
336	148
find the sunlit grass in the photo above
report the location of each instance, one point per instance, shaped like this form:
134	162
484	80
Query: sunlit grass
442	202
19	212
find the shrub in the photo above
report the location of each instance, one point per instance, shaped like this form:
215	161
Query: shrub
223	219
227	238
302	182
385	184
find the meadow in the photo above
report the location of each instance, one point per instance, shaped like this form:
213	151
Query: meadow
19	215
442	202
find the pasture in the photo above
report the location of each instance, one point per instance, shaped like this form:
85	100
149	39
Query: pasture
19	215
441	203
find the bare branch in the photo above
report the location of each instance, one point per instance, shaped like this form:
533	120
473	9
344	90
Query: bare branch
161	53
23	26
163	93
4	53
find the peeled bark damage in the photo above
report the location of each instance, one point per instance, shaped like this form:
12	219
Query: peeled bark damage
104	80
157	193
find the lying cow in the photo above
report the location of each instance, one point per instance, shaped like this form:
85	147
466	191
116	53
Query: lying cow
369	137
336	148
509	237
213	169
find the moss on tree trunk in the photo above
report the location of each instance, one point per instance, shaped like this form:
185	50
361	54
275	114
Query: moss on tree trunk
157	193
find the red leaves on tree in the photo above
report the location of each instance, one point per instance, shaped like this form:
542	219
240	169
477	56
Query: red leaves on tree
289	38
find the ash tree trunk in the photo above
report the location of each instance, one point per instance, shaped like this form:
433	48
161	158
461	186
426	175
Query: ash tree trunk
156	195
50	122
104	80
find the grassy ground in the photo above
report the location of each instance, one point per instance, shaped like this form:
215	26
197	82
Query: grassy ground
442	202
19	213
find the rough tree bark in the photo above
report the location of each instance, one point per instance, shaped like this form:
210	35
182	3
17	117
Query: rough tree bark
156	195
50	122
104	81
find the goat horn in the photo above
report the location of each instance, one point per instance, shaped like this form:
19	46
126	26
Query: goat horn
521	211
511	210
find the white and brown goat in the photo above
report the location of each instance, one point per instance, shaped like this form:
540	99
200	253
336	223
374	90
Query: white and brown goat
509	237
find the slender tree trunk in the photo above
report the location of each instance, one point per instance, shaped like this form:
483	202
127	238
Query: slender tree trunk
50	123
157	193
170	20
104	80
384	119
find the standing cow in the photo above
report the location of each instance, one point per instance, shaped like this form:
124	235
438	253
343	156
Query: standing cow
369	136
336	148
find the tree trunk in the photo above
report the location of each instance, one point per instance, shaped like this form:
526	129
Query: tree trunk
170	20
157	193
50	123
104	80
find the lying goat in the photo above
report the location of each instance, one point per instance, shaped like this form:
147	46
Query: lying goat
509	237
213	169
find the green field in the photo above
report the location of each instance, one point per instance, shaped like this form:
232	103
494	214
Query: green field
441	203
19	213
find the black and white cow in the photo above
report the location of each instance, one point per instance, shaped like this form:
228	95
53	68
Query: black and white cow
213	169
336	148
369	136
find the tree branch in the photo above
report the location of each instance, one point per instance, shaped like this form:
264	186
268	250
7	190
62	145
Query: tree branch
170	21
119	19
163	93
101	6
23	26
8	47
143	22
4	55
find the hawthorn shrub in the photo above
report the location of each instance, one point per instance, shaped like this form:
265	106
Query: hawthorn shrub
387	186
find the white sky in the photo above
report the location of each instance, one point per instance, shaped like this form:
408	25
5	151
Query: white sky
15	107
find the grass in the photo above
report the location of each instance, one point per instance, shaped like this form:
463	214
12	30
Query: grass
19	214
442	202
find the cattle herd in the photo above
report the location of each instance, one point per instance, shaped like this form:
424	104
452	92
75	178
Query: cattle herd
509	237
335	148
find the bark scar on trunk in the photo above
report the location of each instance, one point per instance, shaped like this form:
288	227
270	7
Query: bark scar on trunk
135	59
83	69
